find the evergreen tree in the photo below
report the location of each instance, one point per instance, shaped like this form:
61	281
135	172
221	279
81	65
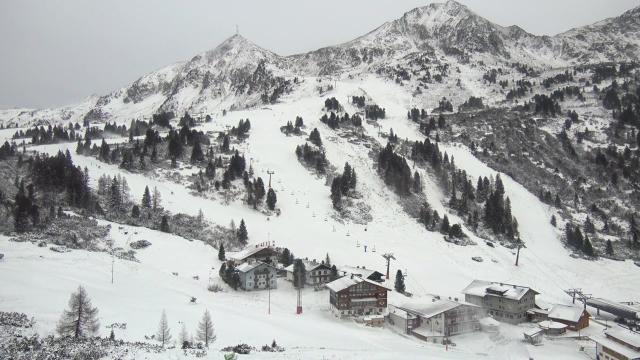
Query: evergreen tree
80	320
135	212
271	199
587	247
336	192
609	248
196	154
399	284
285	257
164	334
444	226
315	138
327	260
21	210
206	333
146	198
334	272
221	254
243	235
164	224
553	220
155	199
417	183
112	335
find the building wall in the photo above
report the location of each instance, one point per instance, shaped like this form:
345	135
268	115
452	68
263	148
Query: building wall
505	309
257	278
342	303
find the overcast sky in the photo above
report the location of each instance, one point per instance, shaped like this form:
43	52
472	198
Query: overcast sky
56	52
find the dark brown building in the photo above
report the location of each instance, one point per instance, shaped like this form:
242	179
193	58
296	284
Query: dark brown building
355	296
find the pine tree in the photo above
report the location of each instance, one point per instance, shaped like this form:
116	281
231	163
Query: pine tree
21	210
164	334
609	248
112	335
146	198
135	212
221	254
327	260
285	257
196	154
156	199
399	284
164	224
587	247
80	320
243	235
206	333
553	220
444	226
271	199
334	272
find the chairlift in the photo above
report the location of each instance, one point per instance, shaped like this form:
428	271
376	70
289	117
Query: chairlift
373	249
357	243
348	233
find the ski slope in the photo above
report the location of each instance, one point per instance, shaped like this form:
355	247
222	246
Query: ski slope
308	228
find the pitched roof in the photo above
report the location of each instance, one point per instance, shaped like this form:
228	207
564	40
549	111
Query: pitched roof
434	308
483	288
241	255
358	271
308	266
617	347
246	267
347	281
627	336
566	312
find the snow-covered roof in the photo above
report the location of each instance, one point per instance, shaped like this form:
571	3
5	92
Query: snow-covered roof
241	255
627	336
566	312
347	281
483	288
308	266
617	347
548	324
246	267
358	271
489	321
432	309
533	332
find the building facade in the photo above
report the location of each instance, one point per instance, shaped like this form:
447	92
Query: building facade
355	297
618	344
575	317
504	302
315	273
257	276
441	318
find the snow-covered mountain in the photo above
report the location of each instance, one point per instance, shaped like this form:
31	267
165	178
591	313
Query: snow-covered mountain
239	74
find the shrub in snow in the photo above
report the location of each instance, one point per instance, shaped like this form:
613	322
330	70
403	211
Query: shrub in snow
140	244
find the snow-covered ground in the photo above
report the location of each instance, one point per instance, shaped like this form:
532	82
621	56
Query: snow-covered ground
38	282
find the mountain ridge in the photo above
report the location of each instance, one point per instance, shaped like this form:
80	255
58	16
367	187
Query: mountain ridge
238	73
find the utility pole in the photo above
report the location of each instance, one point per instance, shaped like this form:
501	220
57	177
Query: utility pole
269	276
299	305
520	245
388	257
270	172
